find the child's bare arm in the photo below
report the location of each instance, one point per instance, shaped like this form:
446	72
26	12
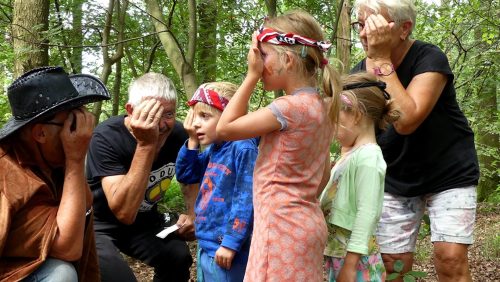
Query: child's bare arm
348	270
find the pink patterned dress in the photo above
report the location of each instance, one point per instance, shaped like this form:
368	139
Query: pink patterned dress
289	228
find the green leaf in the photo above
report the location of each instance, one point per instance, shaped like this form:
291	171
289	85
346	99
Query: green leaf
398	265
392	276
418	274
408	278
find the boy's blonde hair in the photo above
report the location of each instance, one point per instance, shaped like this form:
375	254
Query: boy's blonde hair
312	59
223	88
368	101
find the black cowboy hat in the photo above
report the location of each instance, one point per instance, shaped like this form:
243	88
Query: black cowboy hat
43	92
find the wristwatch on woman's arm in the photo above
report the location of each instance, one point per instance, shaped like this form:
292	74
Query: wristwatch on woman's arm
384	69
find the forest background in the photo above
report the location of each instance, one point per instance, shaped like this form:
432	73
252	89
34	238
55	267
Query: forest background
207	40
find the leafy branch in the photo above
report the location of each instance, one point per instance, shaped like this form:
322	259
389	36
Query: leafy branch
410	276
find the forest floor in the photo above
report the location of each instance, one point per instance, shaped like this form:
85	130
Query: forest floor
484	254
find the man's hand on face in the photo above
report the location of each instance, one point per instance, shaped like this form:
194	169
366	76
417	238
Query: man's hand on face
144	121
76	133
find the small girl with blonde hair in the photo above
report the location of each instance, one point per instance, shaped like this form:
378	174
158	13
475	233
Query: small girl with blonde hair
289	230
352	199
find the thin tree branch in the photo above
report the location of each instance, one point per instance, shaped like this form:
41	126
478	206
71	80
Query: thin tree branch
152	56
6	15
165	25
131	62
192	32
171	15
64	39
336	24
93	46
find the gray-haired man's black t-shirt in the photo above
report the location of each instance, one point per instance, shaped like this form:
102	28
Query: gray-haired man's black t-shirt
110	153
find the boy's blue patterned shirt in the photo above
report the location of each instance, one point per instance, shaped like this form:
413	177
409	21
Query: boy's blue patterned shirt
224	209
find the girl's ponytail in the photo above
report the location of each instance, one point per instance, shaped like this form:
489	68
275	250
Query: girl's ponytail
388	116
331	86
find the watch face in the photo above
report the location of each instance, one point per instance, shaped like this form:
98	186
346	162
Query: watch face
386	69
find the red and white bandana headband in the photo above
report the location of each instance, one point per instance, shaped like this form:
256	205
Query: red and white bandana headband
269	35
209	97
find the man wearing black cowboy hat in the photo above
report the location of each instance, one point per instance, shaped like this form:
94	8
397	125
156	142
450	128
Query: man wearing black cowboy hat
45	203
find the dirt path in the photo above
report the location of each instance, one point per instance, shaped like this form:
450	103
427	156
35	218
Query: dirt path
484	264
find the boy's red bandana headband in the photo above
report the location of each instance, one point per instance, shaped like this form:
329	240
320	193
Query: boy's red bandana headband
269	35
209	97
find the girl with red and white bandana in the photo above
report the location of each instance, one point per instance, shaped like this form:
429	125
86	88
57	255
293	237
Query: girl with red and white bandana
293	162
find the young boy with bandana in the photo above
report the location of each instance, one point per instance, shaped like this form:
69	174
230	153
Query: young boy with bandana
224	209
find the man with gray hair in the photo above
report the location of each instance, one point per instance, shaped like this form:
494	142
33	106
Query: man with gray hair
130	164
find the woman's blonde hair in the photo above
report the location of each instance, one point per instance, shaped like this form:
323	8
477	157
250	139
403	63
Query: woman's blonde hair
310	59
369	101
223	88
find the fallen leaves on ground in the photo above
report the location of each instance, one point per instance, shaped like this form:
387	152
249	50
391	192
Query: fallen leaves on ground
484	268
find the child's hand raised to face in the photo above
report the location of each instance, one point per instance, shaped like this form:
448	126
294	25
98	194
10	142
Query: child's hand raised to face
254	58
193	141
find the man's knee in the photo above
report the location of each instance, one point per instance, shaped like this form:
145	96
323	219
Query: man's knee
186	259
111	263
183	259
173	264
64	273
174	256
54	270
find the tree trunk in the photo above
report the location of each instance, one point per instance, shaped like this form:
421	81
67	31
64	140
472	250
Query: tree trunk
116	87
207	60
77	36
271	8
108	60
344	35
30	19
174	51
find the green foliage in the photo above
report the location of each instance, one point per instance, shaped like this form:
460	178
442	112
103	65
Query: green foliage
467	31
409	276
4	109
491	247
425	227
495	196
6	62
423	252
173	201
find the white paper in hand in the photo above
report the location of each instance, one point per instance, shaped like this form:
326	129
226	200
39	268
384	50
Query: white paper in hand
164	233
